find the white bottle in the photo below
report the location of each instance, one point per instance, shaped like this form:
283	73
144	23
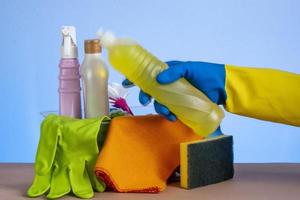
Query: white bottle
94	75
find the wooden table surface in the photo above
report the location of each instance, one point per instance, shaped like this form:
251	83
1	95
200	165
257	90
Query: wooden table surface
251	181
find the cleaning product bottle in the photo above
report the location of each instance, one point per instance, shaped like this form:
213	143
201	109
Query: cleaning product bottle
94	74
190	105
69	78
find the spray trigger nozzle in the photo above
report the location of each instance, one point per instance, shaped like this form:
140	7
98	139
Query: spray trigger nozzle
69	49
69	31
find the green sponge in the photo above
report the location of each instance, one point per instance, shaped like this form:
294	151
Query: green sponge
206	162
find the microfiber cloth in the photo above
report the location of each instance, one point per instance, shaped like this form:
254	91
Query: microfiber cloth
141	152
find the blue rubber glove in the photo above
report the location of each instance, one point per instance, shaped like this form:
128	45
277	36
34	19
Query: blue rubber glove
207	77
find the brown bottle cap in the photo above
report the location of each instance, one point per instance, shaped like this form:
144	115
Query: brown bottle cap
92	46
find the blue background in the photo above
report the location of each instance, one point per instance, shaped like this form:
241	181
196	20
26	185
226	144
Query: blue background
249	33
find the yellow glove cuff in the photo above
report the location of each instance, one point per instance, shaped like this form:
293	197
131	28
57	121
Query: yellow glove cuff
263	93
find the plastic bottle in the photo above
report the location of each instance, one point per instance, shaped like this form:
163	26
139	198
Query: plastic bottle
94	74
189	104
69	78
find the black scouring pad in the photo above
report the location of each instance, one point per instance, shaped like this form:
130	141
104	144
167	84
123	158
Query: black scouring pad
206	162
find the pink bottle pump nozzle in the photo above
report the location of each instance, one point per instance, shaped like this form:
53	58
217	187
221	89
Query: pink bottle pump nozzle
69	48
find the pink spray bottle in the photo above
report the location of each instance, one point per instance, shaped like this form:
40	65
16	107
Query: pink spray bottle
69	77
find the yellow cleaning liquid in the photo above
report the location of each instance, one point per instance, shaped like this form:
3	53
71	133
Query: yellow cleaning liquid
189	104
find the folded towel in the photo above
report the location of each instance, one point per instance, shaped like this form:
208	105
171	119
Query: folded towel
141	152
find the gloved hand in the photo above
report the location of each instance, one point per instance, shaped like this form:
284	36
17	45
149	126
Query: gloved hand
207	77
66	156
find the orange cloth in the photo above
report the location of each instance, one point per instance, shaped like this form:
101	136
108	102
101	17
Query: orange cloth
141	152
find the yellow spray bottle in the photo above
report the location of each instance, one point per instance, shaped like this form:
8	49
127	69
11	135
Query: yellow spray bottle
189	104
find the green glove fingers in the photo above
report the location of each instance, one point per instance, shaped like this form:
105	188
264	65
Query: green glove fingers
82	178
67	152
47	144
43	164
98	185
40	185
80	181
60	184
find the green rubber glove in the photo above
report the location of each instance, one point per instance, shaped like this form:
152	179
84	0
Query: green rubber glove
67	153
